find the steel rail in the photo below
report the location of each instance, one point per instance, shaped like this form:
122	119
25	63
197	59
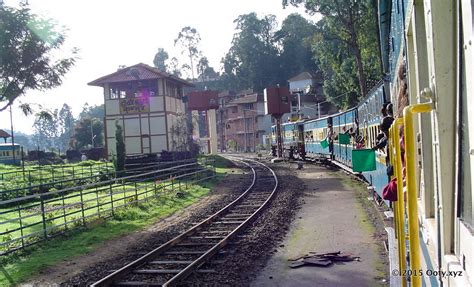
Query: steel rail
118	274
211	252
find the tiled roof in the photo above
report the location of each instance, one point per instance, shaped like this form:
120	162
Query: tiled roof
136	72
244	100
4	134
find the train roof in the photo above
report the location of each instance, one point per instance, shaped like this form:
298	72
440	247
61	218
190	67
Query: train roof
318	119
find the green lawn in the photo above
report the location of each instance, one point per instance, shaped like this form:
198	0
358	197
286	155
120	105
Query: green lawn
21	266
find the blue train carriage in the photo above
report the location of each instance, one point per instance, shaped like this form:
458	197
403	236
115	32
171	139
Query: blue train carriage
293	140
6	153
315	132
369	119
344	130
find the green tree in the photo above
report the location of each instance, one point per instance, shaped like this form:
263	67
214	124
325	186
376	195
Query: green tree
294	38
96	112
351	28
66	126
252	61
202	65
189	40
27	59
43	134
160	59
174	67
88	132
120	147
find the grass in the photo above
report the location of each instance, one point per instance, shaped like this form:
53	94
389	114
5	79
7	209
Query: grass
19	267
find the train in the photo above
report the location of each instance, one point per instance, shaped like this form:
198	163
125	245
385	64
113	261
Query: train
7	156
303	139
427	57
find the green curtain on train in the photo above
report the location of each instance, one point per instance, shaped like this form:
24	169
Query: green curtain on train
363	160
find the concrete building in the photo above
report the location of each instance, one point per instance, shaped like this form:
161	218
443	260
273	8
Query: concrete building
245	122
146	103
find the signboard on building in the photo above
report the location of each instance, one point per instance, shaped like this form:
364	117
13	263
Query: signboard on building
135	105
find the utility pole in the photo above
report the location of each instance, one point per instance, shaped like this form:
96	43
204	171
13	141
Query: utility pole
245	132
92	135
13	137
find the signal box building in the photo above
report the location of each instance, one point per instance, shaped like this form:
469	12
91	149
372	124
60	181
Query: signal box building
145	102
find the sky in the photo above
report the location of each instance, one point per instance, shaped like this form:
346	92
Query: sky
109	33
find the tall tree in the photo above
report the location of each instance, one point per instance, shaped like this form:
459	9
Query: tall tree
160	59
174	67
96	112
202	65
252	61
352	26
66	126
294	39
43	135
27	60
189	40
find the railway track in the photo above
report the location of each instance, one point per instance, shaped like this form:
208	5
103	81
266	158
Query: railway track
173	261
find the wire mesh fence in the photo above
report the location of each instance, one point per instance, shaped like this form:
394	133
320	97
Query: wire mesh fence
33	218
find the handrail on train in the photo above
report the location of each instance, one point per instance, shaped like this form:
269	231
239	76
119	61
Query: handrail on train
412	201
395	156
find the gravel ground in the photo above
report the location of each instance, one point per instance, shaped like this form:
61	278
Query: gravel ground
259	241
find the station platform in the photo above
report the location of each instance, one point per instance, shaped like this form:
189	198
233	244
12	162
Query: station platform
331	219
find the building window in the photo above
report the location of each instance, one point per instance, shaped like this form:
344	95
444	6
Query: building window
234	110
113	94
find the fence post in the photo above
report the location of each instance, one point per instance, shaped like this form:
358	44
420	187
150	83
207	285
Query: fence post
82	208
45	233
214	167
64	211
21	226
98	203
111	198
136	192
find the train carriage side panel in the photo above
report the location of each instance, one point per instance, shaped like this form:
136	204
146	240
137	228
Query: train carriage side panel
315	132
369	118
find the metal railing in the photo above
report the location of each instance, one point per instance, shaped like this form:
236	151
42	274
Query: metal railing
411	207
90	175
41	175
33	218
399	210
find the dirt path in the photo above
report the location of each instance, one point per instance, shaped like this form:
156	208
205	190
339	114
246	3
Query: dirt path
331	219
